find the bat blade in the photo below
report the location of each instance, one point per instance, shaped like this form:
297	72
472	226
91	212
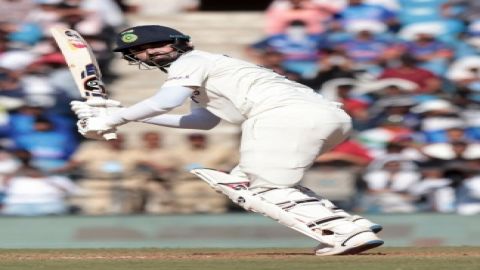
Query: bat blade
82	64
81	61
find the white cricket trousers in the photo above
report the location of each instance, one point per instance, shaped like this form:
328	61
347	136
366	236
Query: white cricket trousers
279	145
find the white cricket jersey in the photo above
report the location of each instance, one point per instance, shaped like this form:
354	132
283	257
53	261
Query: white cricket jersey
233	89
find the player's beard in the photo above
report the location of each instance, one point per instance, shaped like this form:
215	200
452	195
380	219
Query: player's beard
162	60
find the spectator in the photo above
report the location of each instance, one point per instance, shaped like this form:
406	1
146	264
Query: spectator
35	84
10	84
405	148
344	91
453	130
195	149
465	43
457	151
435	191
359	111
448	167
15	11
150	8
348	153
359	11
199	153
152	156
407	69
335	173
394	106
156	168
15	59
393	5
465	10
8	165
22	121
428	50
313	13
46	13
108	180
30	192
59	77
388	182
341	90
472	36
367	49
441	121
109	10
50	148
334	64
300	49
389	130
275	61
386	88
465	73
468	202
21	34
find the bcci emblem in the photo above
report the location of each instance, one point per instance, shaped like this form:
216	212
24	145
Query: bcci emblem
129	38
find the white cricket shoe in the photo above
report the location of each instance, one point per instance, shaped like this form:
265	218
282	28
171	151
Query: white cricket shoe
354	242
365	223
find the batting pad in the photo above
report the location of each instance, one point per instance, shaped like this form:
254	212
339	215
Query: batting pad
236	188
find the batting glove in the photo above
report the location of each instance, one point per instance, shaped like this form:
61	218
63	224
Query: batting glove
95	107
94	128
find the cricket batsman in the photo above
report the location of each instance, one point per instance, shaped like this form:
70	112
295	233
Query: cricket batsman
285	126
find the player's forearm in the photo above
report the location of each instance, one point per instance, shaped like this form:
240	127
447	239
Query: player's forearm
164	101
198	119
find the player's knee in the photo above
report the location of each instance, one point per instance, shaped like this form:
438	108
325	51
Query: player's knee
275	178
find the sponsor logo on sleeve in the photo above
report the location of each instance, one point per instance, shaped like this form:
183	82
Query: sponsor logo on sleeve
178	78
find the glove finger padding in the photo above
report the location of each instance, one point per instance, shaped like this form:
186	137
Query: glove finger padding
93	127
94	135
85	111
100	102
76	105
85	114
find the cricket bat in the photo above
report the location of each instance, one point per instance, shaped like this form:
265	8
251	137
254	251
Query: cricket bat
83	65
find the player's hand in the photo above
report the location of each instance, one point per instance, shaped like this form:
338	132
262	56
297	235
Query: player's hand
103	103
94	128
83	110
95	107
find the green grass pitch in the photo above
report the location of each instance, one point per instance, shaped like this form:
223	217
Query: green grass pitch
229	259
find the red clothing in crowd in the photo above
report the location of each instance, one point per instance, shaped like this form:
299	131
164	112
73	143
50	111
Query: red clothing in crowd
419	76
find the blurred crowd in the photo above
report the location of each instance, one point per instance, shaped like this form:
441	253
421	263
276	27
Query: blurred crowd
46	167
407	71
37	130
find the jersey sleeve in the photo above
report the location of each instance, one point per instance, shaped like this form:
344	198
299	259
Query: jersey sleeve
187	71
